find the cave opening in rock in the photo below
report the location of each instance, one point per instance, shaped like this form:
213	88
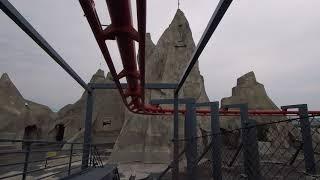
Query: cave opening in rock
60	132
31	133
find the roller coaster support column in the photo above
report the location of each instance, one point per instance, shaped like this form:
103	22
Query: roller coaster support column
308	151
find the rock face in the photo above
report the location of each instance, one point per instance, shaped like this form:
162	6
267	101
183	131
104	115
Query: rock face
108	114
249	91
12	108
21	118
148	138
24	119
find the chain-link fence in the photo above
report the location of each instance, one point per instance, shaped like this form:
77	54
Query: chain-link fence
274	150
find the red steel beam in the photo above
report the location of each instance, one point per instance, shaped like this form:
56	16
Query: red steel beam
121	18
94	22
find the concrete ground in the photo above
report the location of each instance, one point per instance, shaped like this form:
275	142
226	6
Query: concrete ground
139	170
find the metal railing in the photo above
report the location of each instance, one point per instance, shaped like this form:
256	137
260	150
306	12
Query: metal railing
282	148
44	159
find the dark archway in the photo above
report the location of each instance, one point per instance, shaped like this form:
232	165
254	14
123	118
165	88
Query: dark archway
60	132
31	133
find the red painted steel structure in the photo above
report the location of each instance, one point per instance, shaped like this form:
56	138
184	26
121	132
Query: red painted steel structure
121	29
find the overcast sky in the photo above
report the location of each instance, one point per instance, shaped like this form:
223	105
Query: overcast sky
278	40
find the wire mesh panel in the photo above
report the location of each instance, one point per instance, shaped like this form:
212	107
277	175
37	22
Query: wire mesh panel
281	154
280	151
204	162
315	133
232	156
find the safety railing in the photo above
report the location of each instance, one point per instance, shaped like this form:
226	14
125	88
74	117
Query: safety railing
281	148
44	159
277	154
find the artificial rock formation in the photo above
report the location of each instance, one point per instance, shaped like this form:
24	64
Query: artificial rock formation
148	138
21	118
249	91
107	118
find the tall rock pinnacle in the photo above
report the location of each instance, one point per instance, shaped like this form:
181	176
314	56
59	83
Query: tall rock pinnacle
11	105
147	138
249	91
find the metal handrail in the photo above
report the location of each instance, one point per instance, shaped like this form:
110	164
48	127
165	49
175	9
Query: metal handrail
41	160
36	151
67	154
38	141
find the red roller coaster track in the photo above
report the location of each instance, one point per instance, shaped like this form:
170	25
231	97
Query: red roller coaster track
121	29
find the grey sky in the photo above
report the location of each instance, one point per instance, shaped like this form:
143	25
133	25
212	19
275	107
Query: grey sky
278	40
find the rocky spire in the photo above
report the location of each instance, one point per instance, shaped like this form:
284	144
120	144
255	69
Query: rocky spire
174	50
149	43
247	79
109	77
147	138
4	77
98	76
249	91
15	116
9	91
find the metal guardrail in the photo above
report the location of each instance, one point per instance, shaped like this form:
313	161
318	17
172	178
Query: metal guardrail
43	159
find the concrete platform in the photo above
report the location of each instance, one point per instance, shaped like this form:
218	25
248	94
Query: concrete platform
108	172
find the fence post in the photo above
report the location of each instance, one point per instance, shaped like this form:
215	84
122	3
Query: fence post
70	159
251	150
87	131
310	164
175	168
26	160
307	140
249	142
190	132
216	142
190	117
